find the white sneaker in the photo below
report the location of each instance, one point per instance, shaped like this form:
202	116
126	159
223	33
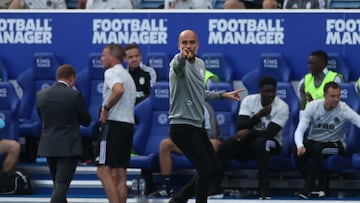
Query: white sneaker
217	196
317	193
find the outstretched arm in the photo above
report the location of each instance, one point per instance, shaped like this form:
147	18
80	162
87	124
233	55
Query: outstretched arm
233	95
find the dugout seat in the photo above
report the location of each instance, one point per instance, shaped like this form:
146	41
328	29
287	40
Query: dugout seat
9	113
283	161
337	64
218	64
271	64
343	4
3	72
41	75
160	62
90	83
153	126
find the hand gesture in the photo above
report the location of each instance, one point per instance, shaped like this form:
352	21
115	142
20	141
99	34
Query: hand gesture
187	54
266	110
308	97
233	95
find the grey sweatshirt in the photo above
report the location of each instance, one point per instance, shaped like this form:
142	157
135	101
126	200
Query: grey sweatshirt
187	92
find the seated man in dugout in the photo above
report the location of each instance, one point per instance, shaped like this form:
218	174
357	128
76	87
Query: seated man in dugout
261	119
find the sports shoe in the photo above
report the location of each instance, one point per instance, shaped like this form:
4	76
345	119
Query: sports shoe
302	194
215	193
162	193
265	198
317	194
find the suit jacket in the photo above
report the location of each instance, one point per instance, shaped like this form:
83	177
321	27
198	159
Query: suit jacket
62	110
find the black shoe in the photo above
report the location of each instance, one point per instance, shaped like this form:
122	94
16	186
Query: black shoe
302	194
162	193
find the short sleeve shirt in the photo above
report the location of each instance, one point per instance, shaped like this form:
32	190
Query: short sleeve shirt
251	104
123	110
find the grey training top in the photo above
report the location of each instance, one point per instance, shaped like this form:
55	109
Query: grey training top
187	91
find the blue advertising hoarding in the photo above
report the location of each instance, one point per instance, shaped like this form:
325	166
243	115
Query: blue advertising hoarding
240	36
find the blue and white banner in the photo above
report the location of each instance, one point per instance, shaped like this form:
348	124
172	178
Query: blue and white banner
240	36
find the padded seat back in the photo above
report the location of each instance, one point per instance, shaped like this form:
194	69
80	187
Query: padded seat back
9	111
160	62
154	123
286	92
225	110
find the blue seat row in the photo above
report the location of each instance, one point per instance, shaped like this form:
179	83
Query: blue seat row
153	112
154	124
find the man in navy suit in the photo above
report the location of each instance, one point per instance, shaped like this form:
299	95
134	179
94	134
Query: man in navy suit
62	110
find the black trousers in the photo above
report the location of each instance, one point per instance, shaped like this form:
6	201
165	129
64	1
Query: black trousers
195	145
251	147
62	170
311	164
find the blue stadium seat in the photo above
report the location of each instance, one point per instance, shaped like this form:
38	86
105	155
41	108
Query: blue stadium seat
355	161
283	161
343	4
153	126
352	139
71	4
160	62
151	4
271	64
226	110
218	4
9	112
90	83
337	64
217	64
41	75
3	72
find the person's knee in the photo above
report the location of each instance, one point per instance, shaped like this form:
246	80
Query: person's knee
14	148
166	145
101	172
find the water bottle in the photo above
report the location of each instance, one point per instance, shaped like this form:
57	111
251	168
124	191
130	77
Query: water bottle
142	187
135	187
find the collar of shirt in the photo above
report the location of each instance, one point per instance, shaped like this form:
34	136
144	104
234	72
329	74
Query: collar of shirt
61	81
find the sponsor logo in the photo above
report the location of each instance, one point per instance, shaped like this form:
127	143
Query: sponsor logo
124	31
25	31
246	31
3	92
342	31
161	93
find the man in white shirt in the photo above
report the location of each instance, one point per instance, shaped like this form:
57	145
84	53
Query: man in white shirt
326	118
260	122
